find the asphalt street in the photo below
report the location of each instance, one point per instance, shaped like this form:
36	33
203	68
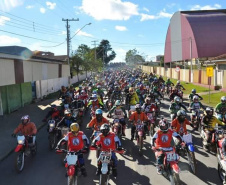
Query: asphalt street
46	167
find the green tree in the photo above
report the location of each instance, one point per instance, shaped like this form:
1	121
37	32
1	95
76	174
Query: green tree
105	52
133	57
76	63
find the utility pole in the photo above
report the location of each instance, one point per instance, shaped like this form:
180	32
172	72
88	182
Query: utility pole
94	43
68	37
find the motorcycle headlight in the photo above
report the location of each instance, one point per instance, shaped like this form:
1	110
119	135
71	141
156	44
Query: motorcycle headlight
51	125
21	142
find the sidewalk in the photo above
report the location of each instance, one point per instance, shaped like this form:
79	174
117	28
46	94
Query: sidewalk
8	123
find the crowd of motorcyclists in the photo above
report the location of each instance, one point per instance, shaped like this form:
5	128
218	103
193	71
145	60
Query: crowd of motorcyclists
130	97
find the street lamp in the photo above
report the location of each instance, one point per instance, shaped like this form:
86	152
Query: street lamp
80	29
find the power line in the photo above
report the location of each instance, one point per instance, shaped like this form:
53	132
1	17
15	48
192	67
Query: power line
38	24
28	36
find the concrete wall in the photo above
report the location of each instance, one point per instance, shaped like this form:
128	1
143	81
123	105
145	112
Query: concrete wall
7	74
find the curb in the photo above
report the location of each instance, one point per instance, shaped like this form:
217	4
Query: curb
12	150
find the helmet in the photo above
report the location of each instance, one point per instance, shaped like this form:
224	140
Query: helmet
168	79
67	113
74	128
163	125
131	90
155	88
193	91
116	87
176	99
98	114
105	128
181	115
98	86
178	82
147	100
155	79
195	99
223	99
80	87
83	91
53	107
209	111
117	103
138	91
25	119
94	97
138	108
94	92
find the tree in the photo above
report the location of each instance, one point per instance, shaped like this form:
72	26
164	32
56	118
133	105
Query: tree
76	65
104	52
132	57
162	61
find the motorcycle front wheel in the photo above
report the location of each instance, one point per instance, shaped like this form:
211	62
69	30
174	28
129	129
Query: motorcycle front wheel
52	141
192	161
221	173
104	179
174	178
140	143
72	180
152	130
19	163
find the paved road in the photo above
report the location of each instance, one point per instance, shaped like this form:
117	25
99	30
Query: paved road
46	167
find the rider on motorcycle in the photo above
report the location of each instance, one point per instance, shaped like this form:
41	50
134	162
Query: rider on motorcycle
119	113
163	140
169	82
75	140
95	103
63	92
97	121
180	122
209	122
53	113
193	93
116	95
220	109
175	107
179	86
196	104
28	129
138	115
131	97
107	141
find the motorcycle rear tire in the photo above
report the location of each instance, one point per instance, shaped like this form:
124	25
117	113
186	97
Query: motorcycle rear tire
104	179
19	162
140	144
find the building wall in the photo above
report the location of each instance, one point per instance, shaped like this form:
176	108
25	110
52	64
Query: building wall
7	72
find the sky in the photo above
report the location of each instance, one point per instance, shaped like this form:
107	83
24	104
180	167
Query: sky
126	24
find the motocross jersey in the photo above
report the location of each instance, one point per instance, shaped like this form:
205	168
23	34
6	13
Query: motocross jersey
149	107
196	105
138	117
174	107
26	130
108	142
95	104
163	140
169	83
76	143
118	112
192	95
180	128
94	123
132	99
211	122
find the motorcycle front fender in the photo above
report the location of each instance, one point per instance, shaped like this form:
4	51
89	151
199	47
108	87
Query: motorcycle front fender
71	170
191	148
104	168
174	166
18	148
140	133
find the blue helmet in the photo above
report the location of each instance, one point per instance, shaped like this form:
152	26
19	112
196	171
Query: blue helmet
99	111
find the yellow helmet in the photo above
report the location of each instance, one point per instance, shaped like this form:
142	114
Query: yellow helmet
74	127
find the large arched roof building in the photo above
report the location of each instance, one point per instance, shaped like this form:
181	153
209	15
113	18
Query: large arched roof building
203	31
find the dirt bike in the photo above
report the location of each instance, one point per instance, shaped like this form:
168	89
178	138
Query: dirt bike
109	104
196	118
170	168
53	134
117	128
187	147
151	121
64	131
94	135
221	159
24	148
168	90
72	165
139	135
78	115
106	164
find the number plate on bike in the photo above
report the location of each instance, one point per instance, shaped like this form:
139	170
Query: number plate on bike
105	157
139	126
149	115
171	156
